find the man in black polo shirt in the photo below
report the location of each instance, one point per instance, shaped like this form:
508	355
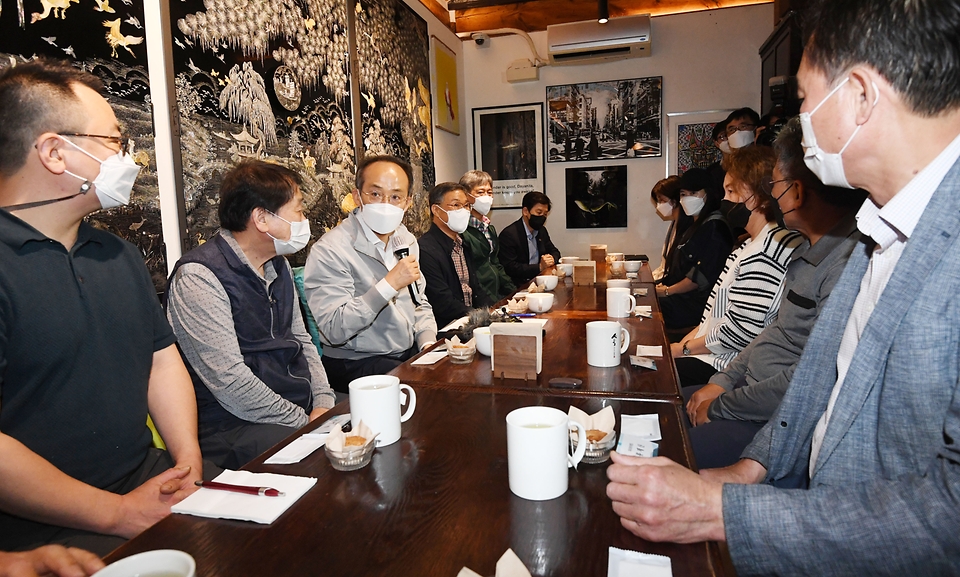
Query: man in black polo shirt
85	350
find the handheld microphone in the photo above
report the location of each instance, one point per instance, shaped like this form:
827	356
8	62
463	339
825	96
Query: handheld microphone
402	253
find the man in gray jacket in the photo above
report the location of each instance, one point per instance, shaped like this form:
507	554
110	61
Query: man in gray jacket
363	282
858	472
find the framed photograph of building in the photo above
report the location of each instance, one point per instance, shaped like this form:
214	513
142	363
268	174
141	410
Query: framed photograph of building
446	99
508	144
604	120
690	139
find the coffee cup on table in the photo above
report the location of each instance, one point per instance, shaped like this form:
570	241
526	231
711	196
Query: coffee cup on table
537	452
606	341
167	562
620	303
376	401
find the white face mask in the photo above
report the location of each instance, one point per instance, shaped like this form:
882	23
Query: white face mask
457	220
665	209
692	205
299	236
741	138
116	177
381	217
828	166
725	147
482	204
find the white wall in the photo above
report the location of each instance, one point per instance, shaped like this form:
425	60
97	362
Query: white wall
708	60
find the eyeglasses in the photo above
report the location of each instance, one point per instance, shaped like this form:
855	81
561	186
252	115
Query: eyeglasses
377	197
767	185
734	128
125	144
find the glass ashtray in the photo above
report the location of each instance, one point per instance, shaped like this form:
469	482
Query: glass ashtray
596	452
351	459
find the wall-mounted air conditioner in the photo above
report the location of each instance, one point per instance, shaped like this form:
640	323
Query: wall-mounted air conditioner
590	41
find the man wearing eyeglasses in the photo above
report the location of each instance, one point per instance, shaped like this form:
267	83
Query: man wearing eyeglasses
363	281
85	351
452	283
740	127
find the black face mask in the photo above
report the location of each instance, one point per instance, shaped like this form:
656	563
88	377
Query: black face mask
736	212
537	222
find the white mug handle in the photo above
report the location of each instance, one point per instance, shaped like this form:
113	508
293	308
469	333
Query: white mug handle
633	304
626	340
412	404
577	456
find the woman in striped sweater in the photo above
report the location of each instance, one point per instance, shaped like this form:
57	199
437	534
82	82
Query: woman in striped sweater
747	295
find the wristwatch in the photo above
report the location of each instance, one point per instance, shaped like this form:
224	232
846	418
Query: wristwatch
686	349
666	291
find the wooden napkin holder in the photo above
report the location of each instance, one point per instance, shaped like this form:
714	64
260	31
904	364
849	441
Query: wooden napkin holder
517	350
598	252
584	273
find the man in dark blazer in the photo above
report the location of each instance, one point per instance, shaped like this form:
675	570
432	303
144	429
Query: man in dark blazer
858	472
525	247
452	286
481	236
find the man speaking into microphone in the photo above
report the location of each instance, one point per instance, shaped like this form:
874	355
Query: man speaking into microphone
356	275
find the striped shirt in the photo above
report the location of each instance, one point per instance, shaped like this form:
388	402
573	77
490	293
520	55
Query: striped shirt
747	295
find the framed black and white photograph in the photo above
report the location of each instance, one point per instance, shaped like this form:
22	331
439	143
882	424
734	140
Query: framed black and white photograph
508	144
597	197
604	120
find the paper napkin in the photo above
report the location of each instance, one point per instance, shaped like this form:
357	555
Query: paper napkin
297	450
638	435
226	505
430	358
623	563
603	420
509	565
655	351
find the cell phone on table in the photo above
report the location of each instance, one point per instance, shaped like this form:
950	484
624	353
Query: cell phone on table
565	382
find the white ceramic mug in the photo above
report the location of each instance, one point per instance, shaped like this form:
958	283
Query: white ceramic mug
376	401
548	281
618	283
538	439
567	268
620	303
606	341
569	259
161	562
540	302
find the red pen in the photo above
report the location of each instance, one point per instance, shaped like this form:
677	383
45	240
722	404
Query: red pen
261	491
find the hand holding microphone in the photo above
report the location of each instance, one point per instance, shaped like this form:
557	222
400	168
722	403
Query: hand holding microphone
405	273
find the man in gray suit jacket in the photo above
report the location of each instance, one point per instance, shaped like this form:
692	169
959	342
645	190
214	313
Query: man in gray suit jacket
859	471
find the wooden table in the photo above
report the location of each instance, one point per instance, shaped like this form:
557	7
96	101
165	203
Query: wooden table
565	355
435	501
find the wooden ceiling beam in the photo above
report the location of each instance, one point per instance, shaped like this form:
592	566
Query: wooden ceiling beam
534	15
442	14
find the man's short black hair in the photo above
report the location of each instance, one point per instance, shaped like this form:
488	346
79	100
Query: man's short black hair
254	184
719	129
367	161
35	98
914	44
745	112
437	192
532	199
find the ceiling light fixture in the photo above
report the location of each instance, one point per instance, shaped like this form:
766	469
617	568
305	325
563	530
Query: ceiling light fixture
604	13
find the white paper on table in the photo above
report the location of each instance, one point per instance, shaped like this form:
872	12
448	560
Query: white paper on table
532	321
623	563
297	450
430	358
455	324
327	427
641	426
643	311
509	565
228	505
655	351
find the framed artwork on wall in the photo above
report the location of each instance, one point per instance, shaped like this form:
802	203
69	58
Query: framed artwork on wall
604	120
690	139
446	101
597	196
508	144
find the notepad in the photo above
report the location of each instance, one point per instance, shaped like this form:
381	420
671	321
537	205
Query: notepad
624	563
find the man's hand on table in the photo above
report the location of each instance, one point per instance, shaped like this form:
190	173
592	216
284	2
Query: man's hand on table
659	500
50	560
151	502
699	403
